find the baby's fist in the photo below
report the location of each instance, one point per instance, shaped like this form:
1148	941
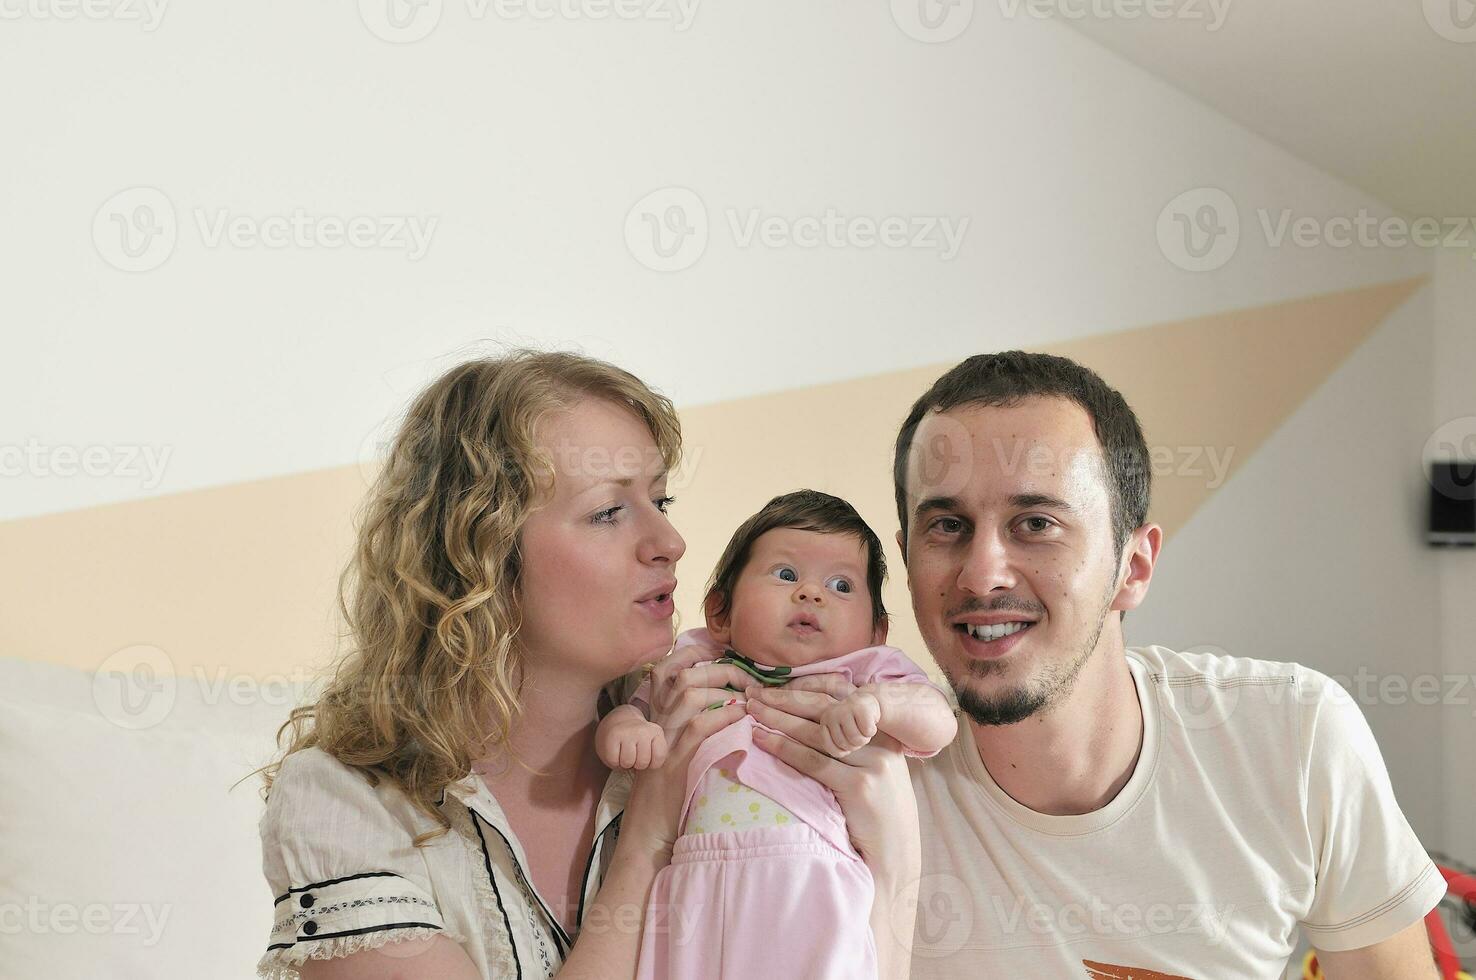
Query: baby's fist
642	746
634	744
851	722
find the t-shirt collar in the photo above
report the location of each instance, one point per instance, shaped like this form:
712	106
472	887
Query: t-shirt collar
968	761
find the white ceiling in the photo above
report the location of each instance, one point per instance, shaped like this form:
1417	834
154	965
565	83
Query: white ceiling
1381	93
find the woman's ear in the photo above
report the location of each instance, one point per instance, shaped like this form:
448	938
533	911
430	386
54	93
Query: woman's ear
718	618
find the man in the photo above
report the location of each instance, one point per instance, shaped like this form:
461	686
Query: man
1113	813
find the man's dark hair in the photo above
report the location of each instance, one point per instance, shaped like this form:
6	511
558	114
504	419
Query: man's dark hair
803	510
1008	377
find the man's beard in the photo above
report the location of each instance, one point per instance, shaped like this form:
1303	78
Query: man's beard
1023	700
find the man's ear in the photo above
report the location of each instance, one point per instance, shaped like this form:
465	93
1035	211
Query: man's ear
1142	553
718	623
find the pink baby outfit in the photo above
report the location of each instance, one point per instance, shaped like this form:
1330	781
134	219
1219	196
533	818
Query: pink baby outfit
775	902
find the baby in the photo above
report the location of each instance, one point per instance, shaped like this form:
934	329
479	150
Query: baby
763	881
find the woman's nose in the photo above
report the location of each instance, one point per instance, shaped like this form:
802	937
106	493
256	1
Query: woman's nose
663	545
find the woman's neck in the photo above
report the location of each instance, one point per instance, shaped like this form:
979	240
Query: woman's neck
555	735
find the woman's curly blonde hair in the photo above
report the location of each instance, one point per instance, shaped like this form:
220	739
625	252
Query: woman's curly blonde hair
431	598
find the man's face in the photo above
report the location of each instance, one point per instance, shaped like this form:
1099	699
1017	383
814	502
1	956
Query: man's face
1009	551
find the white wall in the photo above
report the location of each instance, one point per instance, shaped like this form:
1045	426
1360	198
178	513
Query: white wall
529	142
1314	552
1455	425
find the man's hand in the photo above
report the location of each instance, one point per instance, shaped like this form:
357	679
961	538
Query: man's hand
850	723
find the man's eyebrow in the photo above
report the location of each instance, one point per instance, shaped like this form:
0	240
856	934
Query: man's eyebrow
1018	500
1040	500
935	503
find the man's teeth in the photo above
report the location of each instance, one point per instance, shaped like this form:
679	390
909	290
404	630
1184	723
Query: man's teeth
996	632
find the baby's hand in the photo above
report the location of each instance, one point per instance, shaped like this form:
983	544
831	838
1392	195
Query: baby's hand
851	722
633	745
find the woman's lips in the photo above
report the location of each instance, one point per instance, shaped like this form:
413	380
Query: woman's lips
661	608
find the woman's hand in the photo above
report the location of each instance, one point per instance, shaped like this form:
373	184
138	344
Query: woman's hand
874	791
680	692
681	688
648	832
648	828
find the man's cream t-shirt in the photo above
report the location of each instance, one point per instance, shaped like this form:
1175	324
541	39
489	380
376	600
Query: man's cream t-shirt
1259	804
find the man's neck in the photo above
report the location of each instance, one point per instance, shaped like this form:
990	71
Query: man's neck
1076	756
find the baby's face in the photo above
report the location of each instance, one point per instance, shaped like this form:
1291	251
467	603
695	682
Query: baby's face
802	597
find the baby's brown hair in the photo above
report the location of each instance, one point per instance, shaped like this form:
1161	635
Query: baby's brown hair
802	510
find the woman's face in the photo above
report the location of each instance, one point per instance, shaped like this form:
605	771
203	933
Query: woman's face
599	557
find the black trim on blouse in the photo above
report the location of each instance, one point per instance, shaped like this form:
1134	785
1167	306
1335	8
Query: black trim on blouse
334	881
487	860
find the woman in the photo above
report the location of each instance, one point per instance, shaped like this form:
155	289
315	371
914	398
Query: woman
441	811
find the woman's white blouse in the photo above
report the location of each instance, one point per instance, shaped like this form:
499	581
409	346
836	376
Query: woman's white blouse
345	876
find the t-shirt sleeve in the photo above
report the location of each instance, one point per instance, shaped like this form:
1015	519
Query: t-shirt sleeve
343	871
1374	878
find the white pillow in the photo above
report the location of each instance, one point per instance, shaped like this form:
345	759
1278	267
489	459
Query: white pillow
128	854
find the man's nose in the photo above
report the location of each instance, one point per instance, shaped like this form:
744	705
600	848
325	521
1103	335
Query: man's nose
987	565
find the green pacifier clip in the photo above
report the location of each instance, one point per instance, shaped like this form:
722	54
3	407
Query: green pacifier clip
767	676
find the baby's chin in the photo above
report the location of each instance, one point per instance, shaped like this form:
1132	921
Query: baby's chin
791	653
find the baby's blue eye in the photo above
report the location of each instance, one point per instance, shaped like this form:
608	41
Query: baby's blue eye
786	573
841	584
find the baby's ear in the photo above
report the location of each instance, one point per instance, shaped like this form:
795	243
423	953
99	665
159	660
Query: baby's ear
717	621
879	633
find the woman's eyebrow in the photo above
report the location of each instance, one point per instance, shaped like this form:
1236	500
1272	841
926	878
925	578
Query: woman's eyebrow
625	482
